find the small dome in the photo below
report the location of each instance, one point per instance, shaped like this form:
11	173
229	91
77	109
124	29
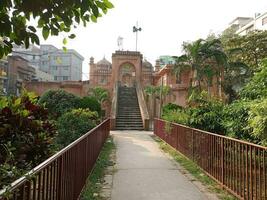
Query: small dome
104	61
147	64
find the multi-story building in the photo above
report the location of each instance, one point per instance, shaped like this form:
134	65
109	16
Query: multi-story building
3	76
19	70
43	76
166	60
61	65
242	25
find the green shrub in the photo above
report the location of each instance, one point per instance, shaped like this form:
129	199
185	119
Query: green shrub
236	120
206	112
257	121
176	116
26	136
208	117
171	106
59	101
75	123
91	103
257	87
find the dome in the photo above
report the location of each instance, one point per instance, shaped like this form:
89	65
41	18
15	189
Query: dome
147	64
104	61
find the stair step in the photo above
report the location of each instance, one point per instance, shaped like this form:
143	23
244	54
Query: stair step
125	129
128	116
132	117
129	122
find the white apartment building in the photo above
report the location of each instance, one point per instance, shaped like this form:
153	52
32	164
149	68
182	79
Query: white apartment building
242	25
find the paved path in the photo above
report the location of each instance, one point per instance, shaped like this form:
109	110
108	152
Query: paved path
143	172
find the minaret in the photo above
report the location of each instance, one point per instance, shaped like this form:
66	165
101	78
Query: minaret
92	68
157	66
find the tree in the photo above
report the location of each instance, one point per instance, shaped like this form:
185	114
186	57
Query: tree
100	94
52	17
73	124
59	101
91	103
249	49
206	59
257	87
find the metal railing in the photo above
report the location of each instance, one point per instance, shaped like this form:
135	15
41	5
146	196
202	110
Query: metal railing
239	166
63	175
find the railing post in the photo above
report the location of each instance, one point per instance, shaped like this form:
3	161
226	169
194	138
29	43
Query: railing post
222	160
59	178
192	134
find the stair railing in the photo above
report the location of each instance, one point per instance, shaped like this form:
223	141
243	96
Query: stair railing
142	106
114	106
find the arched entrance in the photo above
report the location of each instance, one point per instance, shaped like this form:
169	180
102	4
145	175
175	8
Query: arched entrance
127	75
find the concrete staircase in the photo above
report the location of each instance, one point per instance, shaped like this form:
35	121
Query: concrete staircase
128	114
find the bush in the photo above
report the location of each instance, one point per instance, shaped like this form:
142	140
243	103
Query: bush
257	87
91	103
171	107
75	123
257	121
58	102
176	116
26	136
208	117
236	120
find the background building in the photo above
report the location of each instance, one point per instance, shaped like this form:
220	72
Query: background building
242	25
60	64
43	76
18	71
166	60
3	76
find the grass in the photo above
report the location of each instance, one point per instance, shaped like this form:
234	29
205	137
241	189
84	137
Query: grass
94	182
194	170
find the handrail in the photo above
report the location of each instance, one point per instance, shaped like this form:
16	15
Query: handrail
239	166
57	165
114	106
142	105
214	134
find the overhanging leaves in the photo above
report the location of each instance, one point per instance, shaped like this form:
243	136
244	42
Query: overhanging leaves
54	16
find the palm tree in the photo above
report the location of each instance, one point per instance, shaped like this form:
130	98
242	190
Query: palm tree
206	59
101	95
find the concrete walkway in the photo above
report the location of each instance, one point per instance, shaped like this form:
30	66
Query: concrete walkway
143	172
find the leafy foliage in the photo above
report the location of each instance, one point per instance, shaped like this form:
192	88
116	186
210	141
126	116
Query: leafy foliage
236	119
24	125
156	90
257	121
249	49
59	101
52	16
257	87
244	57
90	103
206	114
100	94
75	123
171	106
176	116
205	58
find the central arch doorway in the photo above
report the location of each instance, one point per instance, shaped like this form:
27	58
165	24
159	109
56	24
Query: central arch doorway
127	75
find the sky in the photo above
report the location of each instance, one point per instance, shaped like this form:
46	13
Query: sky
165	24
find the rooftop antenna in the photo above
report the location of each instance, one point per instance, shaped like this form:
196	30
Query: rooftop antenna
135	30
120	43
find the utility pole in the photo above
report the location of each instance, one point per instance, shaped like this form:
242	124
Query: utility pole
135	30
